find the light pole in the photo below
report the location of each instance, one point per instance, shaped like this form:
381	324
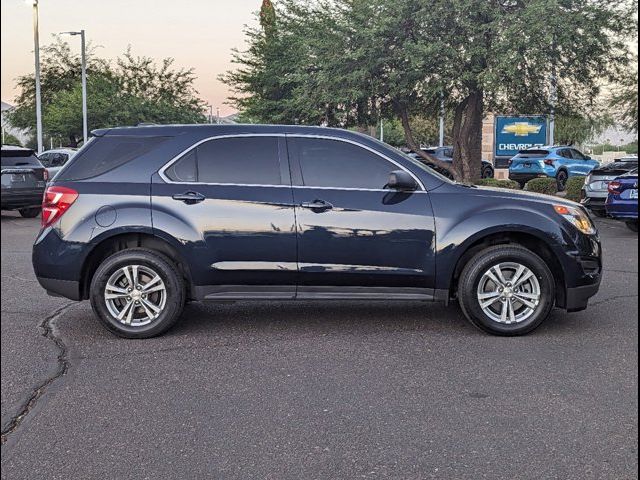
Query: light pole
36	43
83	56
442	113
217	114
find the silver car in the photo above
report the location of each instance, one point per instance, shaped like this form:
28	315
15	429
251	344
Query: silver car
594	192
53	160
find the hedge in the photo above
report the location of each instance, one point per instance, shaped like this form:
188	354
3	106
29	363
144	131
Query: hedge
574	188
548	186
494	182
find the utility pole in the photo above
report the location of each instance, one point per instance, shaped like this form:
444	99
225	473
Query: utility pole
36	43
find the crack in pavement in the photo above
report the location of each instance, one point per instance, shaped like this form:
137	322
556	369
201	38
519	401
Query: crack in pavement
611	299
63	366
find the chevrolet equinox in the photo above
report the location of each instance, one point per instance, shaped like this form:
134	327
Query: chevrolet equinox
145	219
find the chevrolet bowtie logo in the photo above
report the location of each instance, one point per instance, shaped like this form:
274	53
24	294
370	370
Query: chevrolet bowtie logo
521	129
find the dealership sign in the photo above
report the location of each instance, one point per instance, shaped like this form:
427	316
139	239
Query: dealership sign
518	133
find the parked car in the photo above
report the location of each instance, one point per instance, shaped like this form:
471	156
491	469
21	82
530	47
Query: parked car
595	191
622	201
559	162
23	181
54	160
144	219
445	154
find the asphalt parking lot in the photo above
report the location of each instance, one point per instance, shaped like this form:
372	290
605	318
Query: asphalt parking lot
318	391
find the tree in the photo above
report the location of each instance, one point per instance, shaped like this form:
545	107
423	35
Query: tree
347	62
624	101
128	91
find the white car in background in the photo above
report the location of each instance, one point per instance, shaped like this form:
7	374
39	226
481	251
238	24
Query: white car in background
596	184
53	160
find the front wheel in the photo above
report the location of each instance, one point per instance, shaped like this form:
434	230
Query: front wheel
506	290
487	172
137	293
632	225
29	212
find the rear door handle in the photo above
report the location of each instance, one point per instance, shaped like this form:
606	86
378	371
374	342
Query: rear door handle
190	198
317	205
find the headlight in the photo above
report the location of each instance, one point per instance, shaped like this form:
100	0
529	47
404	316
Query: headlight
576	217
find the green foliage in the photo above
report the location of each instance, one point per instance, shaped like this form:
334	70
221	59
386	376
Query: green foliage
579	129
624	101
548	186
494	182
347	63
574	188
629	148
128	91
9	139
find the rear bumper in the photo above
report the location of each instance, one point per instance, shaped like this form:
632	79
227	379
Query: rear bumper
623	209
594	203
30	198
525	177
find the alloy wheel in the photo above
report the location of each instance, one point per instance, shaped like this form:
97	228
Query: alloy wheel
135	295
509	293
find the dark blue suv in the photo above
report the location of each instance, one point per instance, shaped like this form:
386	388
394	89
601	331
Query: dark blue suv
144	219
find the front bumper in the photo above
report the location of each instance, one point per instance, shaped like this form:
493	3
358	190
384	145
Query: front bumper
578	297
61	288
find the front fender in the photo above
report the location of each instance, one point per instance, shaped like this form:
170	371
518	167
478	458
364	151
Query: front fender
456	235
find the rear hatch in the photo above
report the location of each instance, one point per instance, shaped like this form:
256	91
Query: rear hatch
529	161
21	172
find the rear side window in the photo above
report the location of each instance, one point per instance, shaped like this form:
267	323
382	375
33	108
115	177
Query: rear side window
241	160
19	158
104	154
336	164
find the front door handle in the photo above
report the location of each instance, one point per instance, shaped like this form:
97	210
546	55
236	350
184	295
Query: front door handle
317	205
190	198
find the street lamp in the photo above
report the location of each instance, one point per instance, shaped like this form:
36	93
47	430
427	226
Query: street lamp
85	127
36	42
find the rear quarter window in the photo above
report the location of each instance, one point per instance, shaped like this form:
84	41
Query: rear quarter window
107	153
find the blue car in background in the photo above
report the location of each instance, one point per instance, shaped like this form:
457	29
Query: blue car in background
559	162
622	202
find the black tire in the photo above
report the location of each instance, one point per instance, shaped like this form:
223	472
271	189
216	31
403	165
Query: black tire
487	172
561	179
481	263
31	212
158	263
522	185
632	225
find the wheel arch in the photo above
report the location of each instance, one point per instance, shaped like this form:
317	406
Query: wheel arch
119	241
530	239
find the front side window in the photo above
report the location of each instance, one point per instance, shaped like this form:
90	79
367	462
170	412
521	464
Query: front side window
335	164
239	160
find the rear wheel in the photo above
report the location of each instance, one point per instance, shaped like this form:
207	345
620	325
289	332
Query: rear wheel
632	225
137	293
487	172
561	180
506	290
32	212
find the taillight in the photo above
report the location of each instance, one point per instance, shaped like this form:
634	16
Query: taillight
56	201
549	162
614	187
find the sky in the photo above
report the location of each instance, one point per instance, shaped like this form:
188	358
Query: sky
196	33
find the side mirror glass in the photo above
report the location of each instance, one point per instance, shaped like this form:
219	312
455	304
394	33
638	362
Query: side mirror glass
402	181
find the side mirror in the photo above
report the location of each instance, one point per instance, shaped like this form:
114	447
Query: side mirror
402	181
